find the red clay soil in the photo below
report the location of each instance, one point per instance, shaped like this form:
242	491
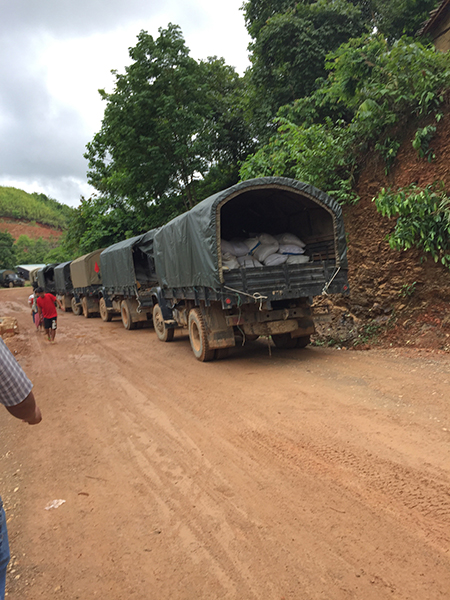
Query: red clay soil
396	298
18	227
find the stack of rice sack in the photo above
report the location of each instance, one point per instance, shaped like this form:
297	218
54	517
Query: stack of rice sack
263	249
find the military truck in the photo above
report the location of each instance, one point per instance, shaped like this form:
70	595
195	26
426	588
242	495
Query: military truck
128	276
219	299
45	278
85	273
64	286
9	278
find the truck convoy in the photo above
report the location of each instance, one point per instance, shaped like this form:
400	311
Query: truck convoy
86	278
128	274
246	262
46	278
64	285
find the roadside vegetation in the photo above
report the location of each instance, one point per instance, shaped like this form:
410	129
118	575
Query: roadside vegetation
37	208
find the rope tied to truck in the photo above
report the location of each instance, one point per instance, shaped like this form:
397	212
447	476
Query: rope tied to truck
257	297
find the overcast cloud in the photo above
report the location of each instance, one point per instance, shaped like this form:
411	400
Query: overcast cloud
56	54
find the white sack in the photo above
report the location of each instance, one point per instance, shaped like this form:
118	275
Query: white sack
235	247
290	249
266	238
252	244
265	250
229	263
290	238
275	259
297	259
248	262
260	250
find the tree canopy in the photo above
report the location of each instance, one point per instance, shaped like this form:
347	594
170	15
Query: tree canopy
7	253
168	124
291	39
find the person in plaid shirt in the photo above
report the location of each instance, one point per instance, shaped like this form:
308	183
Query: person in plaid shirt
17	397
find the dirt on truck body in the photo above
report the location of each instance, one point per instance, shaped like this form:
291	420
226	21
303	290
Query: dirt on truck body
246	262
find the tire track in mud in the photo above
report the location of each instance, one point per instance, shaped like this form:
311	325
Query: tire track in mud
405	492
181	481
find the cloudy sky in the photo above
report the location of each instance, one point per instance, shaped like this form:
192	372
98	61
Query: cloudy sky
56	54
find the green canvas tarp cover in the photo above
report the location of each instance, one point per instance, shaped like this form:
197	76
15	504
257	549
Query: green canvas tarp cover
85	271
63	281
186	249
119	270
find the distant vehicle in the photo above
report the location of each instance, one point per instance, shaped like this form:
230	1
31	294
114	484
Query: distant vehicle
64	285
10	279
128	276
246	262
26	271
86	276
45	278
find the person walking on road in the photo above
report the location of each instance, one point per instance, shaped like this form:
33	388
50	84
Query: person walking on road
17	397
47	310
32	298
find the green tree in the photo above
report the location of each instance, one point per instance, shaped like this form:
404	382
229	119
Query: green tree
170	126
373	91
29	251
289	49
7	251
164	125
395	18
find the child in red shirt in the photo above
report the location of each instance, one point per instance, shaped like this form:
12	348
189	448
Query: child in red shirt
47	309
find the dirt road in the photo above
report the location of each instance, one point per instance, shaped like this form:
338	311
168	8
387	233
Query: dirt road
308	474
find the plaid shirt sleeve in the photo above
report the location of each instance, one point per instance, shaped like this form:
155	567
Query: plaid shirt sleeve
14	384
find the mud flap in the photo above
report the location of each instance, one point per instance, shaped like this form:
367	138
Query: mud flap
220	335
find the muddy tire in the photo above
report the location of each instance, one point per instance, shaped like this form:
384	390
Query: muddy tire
284	340
84	308
104	312
125	313
76	308
303	341
198	338
11	285
165	334
221	353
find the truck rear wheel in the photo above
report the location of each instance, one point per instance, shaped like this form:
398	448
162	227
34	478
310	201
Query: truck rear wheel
284	340
125	313
198	337
104	312
76	307
84	307
303	341
165	334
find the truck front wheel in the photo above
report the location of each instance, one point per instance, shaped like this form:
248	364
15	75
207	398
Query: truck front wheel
104	312
76	307
198	337
165	334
